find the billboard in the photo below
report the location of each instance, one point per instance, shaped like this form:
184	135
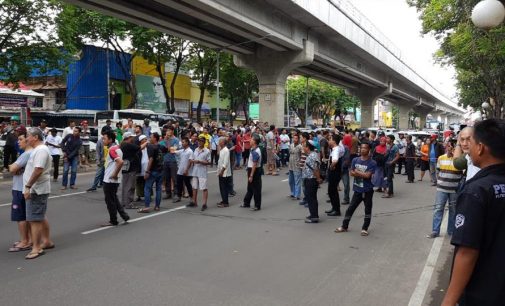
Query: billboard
150	93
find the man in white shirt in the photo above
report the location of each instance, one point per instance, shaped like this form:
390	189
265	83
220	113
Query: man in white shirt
285	141
53	142
111	179
462	159
69	129
200	160
37	187
334	175
224	172
183	176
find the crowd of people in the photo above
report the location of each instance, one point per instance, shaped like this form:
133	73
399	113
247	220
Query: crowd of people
466	170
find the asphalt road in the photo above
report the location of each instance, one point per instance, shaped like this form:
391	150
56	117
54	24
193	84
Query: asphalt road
228	256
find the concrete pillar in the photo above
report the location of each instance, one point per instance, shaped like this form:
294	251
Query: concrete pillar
368	97
404	118
422	118
272	69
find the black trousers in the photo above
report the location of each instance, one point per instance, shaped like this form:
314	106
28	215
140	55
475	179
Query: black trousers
409	168
311	187
400	162
357	197
170	173
184	180
253	189
10	155
333	180
213	157
113	205
56	166
390	169
224	188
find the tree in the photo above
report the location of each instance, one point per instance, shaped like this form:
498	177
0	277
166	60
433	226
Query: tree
160	48
203	64
478	56
27	42
77	26
324	99
237	84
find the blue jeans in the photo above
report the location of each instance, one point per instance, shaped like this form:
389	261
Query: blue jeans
70	164
438	213
154	177
295	183
238	157
346	181
433	171
98	176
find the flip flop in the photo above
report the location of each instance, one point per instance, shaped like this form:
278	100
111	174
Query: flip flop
19	249
52	246
34	255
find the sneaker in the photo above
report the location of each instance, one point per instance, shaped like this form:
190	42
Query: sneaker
255	208
91	189
432	236
302	203
176	200
312	220
204	207
192	205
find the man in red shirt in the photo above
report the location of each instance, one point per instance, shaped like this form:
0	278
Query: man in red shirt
246	141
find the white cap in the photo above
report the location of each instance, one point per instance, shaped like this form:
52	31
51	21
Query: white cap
141	137
127	135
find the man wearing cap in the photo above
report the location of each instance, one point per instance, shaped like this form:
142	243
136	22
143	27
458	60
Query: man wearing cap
130	169
200	160
53	142
84	150
43	127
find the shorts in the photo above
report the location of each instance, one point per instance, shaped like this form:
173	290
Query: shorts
425	165
199	183
84	150
36	207
18	208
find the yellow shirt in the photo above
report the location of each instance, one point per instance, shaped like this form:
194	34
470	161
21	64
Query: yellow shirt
207	140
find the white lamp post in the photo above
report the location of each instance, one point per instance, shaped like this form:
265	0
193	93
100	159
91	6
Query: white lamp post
488	14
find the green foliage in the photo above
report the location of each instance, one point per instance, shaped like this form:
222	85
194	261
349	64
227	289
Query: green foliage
237	84
477	55
160	48
202	62
324	99
27	42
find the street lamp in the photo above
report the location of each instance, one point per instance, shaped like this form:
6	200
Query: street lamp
488	14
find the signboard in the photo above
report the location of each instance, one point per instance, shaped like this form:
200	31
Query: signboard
254	111
13	100
150	93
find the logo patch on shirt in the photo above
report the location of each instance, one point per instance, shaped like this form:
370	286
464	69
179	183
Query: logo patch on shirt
460	220
499	191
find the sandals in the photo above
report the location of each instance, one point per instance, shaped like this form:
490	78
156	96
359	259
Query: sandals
32	255
364	233
340	230
19	249
143	210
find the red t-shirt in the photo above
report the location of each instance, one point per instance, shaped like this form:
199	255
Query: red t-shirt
347	141
238	144
247	142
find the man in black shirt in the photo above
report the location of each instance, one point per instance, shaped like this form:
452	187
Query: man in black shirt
409	157
478	273
154	173
131	167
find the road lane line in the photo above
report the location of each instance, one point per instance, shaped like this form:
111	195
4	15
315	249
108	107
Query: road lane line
419	293
285	180
135	220
53	197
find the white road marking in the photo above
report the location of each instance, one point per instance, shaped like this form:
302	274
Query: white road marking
285	180
53	197
135	220
424	280
212	171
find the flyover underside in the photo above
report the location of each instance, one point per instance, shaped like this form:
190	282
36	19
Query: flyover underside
231	26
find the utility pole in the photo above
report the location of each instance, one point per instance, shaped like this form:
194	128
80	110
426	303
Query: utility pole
108	77
306	102
217	87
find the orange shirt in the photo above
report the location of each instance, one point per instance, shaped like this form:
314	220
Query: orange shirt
424	149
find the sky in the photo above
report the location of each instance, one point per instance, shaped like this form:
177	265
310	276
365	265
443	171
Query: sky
401	24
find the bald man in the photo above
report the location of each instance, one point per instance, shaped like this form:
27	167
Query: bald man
462	159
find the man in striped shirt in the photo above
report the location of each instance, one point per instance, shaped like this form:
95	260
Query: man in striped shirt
303	140
447	185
